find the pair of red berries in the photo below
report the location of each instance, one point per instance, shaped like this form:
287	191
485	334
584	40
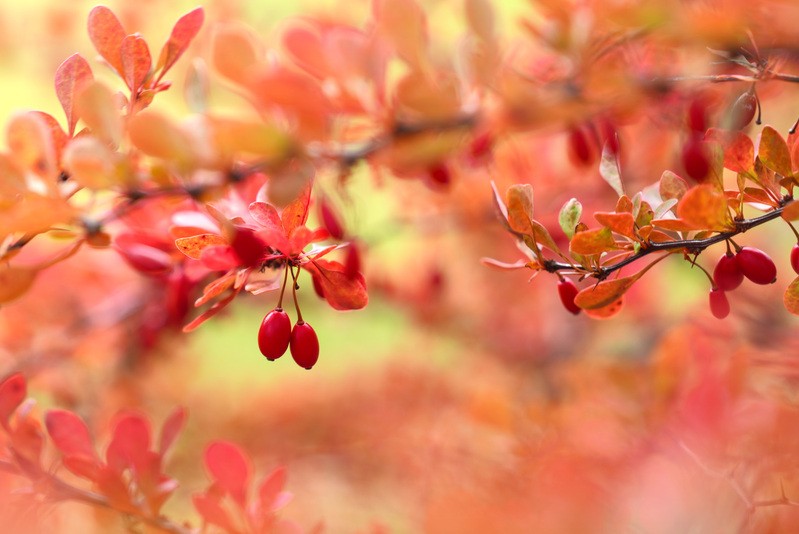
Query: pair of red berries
731	269
276	335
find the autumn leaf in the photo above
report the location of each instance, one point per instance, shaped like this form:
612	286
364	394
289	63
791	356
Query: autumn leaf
157	136
791	211
90	163
404	24
520	208
183	32
97	106
136	61
773	151
172	426
704	207
791	297
342	290
193	246
15	281
609	169
107	33
621	223
72	77
739	151
592	242
70	434
605	293
671	186
230	468
13	391
235	53
296	213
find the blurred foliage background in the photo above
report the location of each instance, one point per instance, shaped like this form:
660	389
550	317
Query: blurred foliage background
461	399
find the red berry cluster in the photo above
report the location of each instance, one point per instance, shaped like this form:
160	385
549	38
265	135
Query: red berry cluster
276	335
731	269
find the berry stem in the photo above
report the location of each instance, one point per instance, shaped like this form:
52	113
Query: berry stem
793	229
283	289
294	294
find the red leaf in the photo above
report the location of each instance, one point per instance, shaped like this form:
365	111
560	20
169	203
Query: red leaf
296	213
172	427
212	512
110	484
183	32
210	312
107	34
271	487
70	434
266	215
231	469
739	151
219	258
71	77
12	392
136	61
193	246
130	444
341	291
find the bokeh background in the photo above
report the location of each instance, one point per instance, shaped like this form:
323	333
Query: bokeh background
462	399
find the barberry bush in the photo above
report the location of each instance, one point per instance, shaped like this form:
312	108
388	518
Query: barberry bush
483	181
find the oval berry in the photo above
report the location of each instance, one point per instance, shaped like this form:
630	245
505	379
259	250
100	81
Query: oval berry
756	265
697	115
694	158
795	258
304	345
743	110
727	275
579	147
567	291
719	305
274	334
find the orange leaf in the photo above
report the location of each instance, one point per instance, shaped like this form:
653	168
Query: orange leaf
107	34
592	242
184	30
34	213
791	211
100	110
671	186
405	25
31	145
520	208
136	61
216	288
480	16
304	45
233	136
157	136
235	52
296	213
605	293
607	311
14	281
90	163
12	185
739	151
676	225
791	297
704	207
621	223
210	312
193	246
71	77
773	152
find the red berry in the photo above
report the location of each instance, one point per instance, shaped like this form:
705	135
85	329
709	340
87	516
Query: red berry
274	334
697	115
719	305
567	291
756	265
439	175
330	220
743	110
795	258
304	345
480	148
579	147
727	275
694	158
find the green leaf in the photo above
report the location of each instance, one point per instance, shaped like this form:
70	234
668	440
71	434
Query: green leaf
609	169
569	216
